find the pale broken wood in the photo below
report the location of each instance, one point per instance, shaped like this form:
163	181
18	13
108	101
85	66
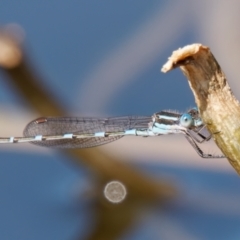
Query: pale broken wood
219	108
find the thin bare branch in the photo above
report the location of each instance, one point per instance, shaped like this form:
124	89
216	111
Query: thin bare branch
219	108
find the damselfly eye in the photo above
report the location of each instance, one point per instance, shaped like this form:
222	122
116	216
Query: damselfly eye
186	120
194	112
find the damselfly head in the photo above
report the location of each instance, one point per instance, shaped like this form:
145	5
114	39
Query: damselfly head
186	120
196	117
194	112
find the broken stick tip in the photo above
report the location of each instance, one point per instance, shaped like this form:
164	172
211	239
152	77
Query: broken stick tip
181	54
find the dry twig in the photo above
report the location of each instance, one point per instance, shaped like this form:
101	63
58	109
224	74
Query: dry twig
219	108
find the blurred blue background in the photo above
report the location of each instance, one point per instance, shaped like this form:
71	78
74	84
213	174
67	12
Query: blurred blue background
103	58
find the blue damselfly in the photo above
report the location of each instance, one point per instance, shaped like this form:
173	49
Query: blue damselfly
77	132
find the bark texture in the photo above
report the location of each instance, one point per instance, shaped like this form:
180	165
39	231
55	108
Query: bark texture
219	108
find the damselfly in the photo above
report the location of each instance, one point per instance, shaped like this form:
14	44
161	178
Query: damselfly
75	132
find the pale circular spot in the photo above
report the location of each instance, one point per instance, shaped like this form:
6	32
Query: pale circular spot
115	192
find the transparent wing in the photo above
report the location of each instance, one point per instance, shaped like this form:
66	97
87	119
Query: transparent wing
75	125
